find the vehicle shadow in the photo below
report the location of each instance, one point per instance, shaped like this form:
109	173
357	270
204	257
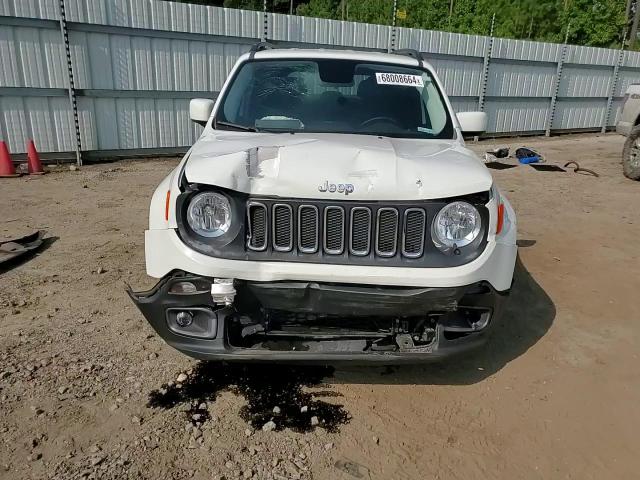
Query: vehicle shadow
278	395
528	315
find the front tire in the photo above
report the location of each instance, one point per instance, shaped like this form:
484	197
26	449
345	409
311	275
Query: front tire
631	155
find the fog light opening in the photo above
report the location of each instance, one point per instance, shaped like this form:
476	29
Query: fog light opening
482	322
466	320
184	319
192	321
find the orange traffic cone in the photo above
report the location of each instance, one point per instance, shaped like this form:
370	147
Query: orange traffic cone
6	164
33	162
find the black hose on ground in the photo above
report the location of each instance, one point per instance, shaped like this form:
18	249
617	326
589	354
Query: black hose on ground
579	169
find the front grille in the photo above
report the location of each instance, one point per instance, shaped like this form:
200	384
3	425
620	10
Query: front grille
335	232
366	231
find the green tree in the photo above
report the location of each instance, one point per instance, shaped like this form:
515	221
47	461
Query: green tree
243	4
319	8
592	22
371	11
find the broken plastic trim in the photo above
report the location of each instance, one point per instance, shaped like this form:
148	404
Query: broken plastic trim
242	334
14	248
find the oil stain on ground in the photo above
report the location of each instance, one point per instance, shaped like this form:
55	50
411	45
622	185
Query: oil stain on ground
264	387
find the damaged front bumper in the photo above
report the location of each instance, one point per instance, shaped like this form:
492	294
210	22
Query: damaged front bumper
325	322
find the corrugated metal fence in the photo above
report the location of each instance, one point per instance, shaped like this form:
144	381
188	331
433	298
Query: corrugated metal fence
136	64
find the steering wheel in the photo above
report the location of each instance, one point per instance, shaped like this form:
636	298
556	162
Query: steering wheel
366	123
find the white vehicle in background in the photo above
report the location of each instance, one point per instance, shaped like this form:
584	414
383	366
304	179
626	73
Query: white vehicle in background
629	126
329	211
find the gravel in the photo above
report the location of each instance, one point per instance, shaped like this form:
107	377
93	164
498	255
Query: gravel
64	325
269	426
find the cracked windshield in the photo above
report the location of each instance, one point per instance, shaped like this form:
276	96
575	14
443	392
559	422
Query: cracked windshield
335	96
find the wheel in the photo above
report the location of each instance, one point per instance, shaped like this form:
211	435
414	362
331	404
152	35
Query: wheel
631	155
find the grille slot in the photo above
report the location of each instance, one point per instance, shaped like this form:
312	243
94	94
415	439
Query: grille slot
413	232
387	232
282	227
308	228
360	231
257	223
334	230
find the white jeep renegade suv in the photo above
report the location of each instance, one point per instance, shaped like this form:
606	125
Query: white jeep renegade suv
329	211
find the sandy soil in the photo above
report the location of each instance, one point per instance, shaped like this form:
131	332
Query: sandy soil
554	395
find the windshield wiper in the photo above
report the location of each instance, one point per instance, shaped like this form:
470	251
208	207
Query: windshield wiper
236	126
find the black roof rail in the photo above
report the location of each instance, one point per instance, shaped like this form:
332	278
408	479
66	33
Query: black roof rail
258	47
410	52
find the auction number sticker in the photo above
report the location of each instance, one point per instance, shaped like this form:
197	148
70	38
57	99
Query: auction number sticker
399	79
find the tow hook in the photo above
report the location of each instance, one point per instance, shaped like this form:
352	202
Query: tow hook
404	341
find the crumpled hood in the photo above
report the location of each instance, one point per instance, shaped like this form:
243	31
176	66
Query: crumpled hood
339	166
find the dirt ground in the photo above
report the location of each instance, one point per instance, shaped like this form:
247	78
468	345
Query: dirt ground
86	387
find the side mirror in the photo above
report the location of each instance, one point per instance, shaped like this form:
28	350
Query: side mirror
200	110
472	123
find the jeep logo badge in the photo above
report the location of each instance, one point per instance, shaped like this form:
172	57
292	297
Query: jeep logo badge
345	188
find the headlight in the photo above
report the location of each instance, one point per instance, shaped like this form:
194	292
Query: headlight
456	224
209	214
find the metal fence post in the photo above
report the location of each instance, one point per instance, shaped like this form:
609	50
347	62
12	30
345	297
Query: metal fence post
265	26
612	90
485	67
392	42
71	88
556	89
485	71
556	84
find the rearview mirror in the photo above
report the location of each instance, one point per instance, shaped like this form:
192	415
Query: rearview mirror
200	110
472	123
